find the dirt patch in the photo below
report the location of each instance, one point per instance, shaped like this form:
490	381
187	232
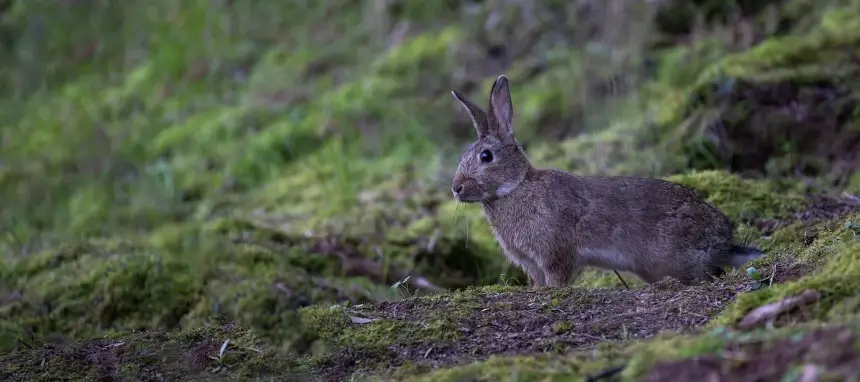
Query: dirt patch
529	322
826	354
783	272
523	321
101	355
98	357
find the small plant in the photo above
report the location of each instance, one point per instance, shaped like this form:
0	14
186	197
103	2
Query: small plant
220	357
853	226
403	286
755	275
506	281
560	327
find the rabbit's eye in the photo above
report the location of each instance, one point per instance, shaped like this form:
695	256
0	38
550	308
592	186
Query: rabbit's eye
486	156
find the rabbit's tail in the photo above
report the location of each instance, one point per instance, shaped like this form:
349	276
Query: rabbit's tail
742	254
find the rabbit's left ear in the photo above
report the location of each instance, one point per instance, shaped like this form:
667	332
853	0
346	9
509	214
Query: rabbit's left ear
479	118
501	107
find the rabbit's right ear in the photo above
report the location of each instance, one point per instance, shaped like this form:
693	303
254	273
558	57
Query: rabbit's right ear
479	117
501	106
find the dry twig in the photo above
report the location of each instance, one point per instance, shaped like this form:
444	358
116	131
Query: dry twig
770	312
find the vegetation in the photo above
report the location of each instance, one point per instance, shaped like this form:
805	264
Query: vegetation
256	189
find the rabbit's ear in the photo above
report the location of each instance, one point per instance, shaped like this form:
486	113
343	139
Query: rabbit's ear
501	106
479	117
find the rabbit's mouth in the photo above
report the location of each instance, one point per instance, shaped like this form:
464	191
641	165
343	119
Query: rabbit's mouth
467	190
469	198
468	193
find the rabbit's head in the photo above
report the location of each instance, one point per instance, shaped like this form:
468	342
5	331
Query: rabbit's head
494	165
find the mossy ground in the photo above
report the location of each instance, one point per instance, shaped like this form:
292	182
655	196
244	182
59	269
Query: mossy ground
534	334
282	174
213	350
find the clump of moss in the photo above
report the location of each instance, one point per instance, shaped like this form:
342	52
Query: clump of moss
374	335
382	333
837	248
744	199
167	281
78	290
559	327
211	351
736	98
526	368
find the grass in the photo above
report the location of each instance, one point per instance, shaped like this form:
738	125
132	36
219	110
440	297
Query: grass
165	163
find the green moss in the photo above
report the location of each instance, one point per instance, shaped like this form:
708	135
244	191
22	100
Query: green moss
327	322
145	355
741	198
790	238
525	368
170	280
721	343
88	289
782	58
380	334
669	128
559	327
681	65
374	334
853	185
601	278
720	96
837	248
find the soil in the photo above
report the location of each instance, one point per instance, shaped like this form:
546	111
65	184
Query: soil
832	349
546	321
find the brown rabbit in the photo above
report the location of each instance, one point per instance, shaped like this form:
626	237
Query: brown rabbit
553	224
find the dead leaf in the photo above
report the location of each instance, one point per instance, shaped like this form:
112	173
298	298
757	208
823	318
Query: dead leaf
361	320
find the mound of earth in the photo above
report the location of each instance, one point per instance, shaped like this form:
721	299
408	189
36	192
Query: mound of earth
819	354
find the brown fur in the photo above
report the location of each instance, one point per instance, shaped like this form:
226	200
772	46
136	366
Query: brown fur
553	224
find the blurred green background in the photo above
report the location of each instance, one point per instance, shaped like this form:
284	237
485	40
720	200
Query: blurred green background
162	162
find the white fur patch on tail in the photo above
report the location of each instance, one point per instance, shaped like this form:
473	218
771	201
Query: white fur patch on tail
742	255
740	260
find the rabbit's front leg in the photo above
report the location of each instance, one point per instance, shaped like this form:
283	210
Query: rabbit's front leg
560	270
536	274
532	269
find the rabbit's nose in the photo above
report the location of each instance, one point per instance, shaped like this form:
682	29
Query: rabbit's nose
457	188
